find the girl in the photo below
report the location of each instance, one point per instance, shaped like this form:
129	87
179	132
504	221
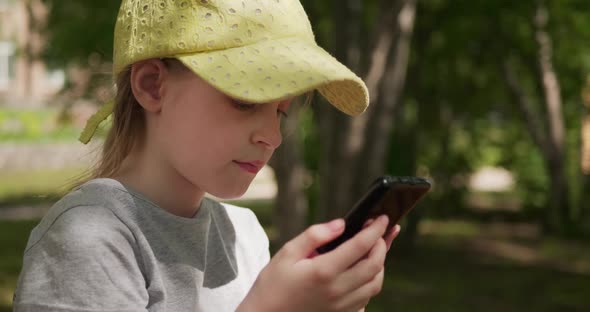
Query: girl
202	87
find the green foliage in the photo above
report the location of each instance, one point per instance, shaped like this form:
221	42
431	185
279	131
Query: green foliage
445	272
18	187
466	117
79	29
458	114
13	239
34	126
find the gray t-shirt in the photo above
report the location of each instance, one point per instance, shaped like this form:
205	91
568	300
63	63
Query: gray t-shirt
105	247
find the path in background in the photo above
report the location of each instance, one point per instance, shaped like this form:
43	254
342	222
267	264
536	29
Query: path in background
45	156
23	157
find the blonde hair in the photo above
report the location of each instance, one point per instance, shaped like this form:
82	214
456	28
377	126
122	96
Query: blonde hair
127	129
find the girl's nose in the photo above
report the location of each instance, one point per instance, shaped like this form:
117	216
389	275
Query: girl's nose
268	131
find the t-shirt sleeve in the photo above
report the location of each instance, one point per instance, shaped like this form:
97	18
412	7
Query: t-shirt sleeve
86	260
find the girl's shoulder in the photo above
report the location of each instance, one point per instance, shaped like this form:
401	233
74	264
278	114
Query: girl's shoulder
87	210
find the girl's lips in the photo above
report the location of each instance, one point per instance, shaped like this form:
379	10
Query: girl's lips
251	167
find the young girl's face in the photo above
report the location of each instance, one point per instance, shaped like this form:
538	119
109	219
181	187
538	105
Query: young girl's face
212	140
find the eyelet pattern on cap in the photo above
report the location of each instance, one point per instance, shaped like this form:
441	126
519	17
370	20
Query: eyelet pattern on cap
255	50
267	48
278	69
180	27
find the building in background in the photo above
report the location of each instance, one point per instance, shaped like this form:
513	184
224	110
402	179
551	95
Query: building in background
25	81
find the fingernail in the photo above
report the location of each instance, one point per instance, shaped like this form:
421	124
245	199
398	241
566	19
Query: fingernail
312	255
369	222
393	230
336	225
384	219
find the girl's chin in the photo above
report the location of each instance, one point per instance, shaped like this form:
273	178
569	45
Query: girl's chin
233	193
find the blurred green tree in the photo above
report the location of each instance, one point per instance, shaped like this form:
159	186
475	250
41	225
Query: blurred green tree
472	67
462	81
78	30
79	39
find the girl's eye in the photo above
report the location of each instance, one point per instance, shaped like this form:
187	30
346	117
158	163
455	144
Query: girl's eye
244	106
251	107
282	113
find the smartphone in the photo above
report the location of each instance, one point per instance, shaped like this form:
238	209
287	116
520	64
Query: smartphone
390	195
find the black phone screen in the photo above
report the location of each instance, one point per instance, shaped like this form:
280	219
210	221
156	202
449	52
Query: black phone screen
393	196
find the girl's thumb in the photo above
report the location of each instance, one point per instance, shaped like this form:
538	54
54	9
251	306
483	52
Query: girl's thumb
315	236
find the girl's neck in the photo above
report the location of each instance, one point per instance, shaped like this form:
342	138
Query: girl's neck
160	183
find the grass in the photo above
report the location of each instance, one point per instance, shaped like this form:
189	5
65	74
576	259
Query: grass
34	187
443	273
13	239
457	265
39	125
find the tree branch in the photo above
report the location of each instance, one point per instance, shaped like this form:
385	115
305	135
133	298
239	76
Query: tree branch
548	76
525	105
381	120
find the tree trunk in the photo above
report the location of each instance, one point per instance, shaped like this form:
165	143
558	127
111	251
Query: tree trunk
342	144
547	133
379	121
27	49
36	14
334	127
353	150
559	202
584	206
407	142
584	214
291	208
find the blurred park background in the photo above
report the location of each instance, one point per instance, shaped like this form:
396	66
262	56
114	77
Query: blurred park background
488	99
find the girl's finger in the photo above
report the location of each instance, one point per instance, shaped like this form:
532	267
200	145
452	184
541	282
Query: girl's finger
306	243
313	255
364	271
351	251
393	233
360	297
368	222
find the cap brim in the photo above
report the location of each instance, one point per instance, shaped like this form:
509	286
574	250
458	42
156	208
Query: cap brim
277	69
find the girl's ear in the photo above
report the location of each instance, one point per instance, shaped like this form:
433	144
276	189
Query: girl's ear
146	83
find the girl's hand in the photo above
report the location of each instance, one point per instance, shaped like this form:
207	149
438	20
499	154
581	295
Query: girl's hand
341	280
389	237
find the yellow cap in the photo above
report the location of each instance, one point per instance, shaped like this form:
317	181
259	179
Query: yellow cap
257	50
